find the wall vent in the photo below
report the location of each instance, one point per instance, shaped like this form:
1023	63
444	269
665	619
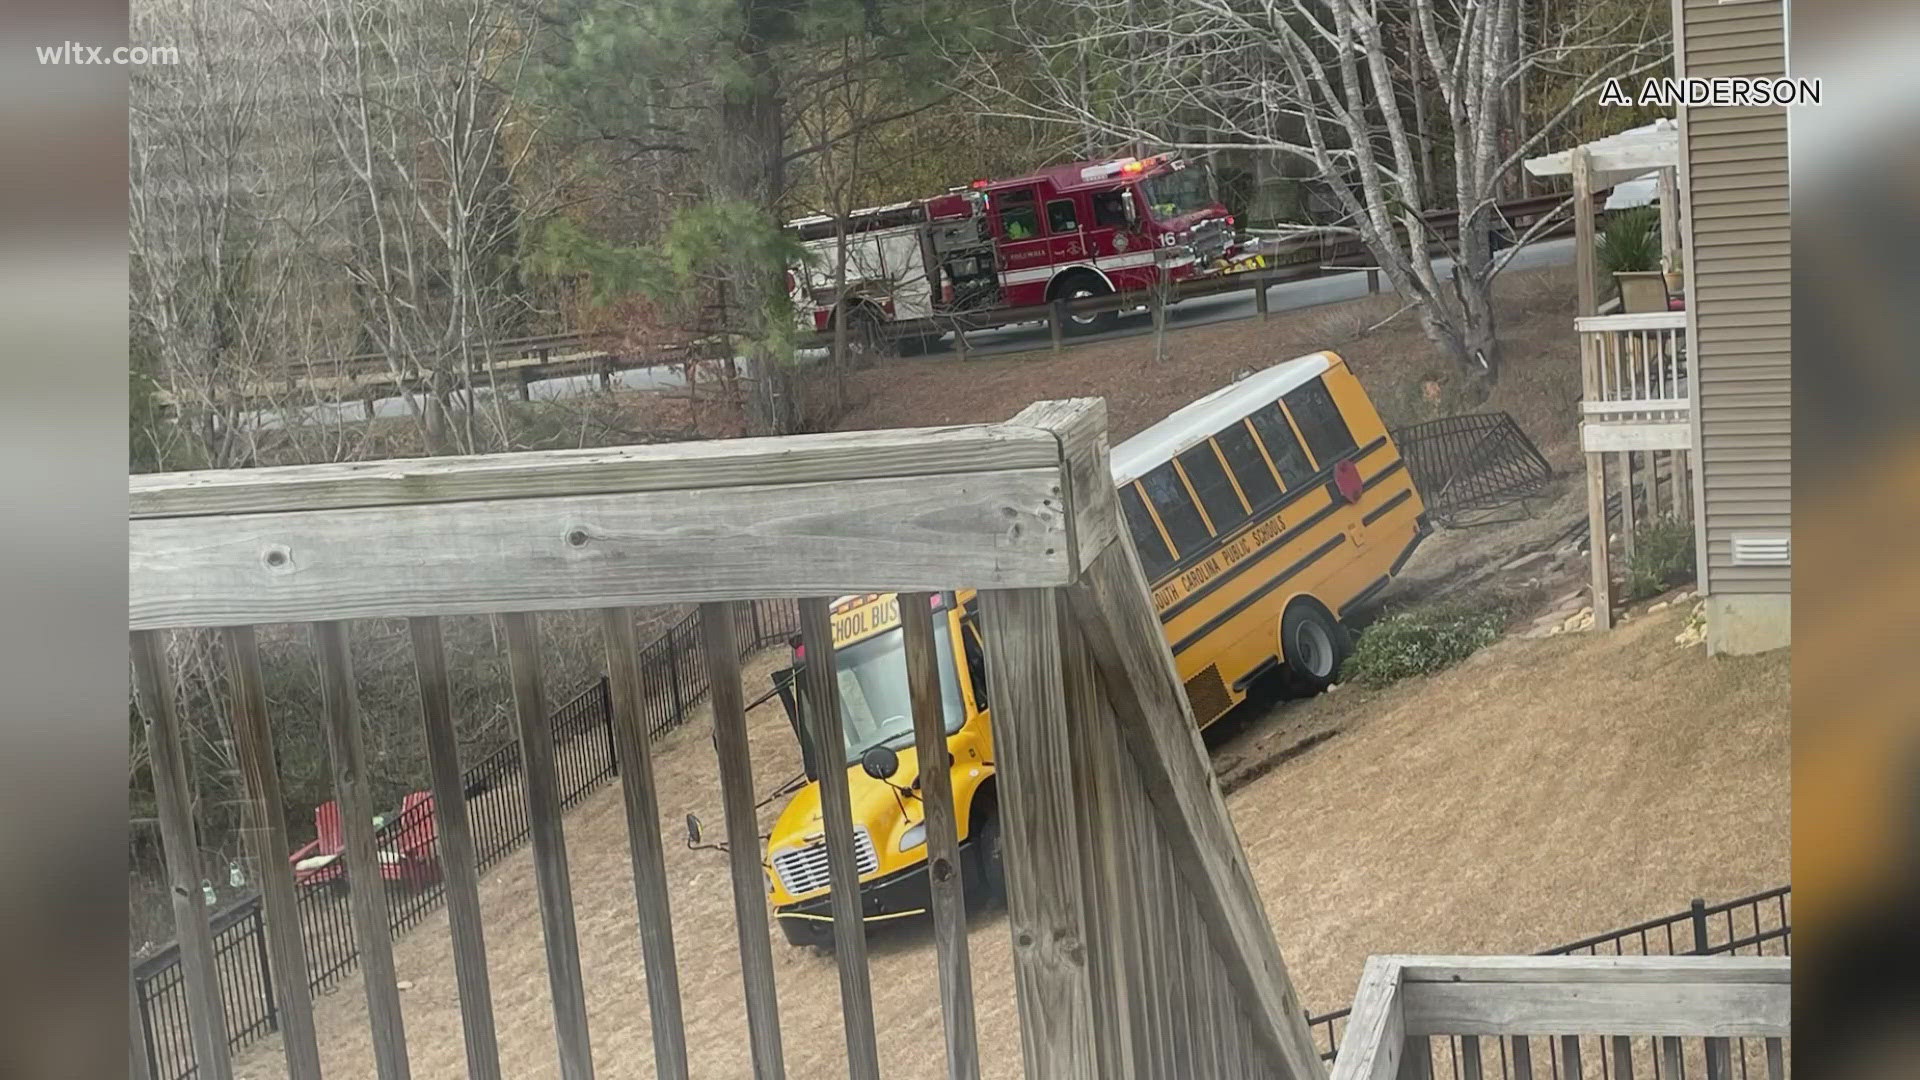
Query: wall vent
1762	549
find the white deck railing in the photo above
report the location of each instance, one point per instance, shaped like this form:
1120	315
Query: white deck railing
1634	1016
1634	380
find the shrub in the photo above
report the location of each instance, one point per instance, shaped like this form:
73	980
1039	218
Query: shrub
1417	642
1662	558
1630	242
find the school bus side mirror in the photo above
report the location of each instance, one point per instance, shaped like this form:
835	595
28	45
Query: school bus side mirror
880	762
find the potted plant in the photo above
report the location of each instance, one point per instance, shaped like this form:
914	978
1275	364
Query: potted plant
1629	249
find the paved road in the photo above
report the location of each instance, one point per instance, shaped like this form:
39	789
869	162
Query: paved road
1291	296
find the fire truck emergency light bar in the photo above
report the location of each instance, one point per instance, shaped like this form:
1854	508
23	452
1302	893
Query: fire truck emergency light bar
1126	165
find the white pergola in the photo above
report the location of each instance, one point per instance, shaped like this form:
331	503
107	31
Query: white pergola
1602	163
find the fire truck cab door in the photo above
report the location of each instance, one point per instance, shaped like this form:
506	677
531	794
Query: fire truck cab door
1066	231
1022	241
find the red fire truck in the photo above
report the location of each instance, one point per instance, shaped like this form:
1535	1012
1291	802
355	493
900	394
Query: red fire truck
1086	229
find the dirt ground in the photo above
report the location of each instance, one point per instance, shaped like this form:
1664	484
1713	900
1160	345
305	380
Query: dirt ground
1455	813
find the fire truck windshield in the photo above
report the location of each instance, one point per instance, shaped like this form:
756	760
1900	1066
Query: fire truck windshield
1174	194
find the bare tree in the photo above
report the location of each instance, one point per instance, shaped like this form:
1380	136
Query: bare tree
1316	79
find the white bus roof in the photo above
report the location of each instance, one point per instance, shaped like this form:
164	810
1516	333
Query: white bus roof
1191	423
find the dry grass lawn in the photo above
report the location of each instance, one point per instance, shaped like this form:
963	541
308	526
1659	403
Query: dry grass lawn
1538	792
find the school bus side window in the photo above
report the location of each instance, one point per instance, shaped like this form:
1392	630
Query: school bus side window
1177	512
1249	467
1216	493
1320	422
1154	556
1281	445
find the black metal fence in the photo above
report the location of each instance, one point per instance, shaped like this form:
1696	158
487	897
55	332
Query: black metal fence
1466	467
1757	925
673	680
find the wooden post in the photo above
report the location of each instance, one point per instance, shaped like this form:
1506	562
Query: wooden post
1670	217
836	820
1416	1058
458	864
551	875
1056	320
1587	286
1260	297
633	757
139	1052
1155	722
1045	912
1629	516
367	895
743	860
1373	281
1109	890
1601	584
206	1015
944	864
253	745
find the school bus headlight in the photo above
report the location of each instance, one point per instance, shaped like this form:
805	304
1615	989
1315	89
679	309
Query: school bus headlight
914	837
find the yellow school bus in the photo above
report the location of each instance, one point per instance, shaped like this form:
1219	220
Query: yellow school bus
1264	513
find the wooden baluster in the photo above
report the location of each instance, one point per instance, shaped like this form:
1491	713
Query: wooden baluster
1467	1049
1522	1058
1570	1057
366	892
944	865
1671	1064
1776	1060
743	859
640	799
459	865
551	875
1622	1058
836	813
253	745
207	1017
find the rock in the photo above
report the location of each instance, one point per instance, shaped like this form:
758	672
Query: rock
1624	616
1587	611
1529	559
1661	606
403	984
1570	598
1552	630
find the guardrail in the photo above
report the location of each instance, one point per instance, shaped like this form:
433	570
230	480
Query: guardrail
515	363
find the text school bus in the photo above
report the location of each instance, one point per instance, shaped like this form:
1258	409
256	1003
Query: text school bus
1263	513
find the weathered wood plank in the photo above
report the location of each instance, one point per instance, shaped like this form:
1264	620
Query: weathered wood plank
1776	1060
1376	1034
1416	1058
796	459
253	746
640	798
366	892
1081	426
1671	1065
1622	1058
1468	1051
1110	901
1522	1057
1570	1057
459	866
944	865
551	876
1705	1008
139	1065
1045	913
207	1019
1684	970
836	822
995	529
1110	603
743	852
1600	584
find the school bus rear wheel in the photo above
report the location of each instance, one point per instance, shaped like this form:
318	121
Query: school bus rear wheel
1313	644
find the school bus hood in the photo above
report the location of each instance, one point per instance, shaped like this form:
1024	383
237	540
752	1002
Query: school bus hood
875	805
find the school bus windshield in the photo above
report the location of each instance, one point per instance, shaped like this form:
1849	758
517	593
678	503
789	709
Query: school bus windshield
874	707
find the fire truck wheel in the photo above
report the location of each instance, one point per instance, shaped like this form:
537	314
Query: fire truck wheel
1081	286
866	335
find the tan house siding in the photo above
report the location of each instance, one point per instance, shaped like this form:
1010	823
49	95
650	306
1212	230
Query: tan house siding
1737	238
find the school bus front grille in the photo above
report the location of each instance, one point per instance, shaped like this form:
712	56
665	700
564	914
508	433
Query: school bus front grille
1207	693
804	869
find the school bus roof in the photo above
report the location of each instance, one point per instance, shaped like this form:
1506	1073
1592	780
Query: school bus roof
1193	422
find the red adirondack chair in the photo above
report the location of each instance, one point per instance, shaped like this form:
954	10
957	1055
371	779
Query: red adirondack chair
408	855
321	862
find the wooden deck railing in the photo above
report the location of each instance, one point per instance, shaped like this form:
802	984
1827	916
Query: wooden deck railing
1614	1017
1636	373
1129	896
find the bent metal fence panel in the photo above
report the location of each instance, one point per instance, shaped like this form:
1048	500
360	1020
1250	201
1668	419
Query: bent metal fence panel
1467	467
584	758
